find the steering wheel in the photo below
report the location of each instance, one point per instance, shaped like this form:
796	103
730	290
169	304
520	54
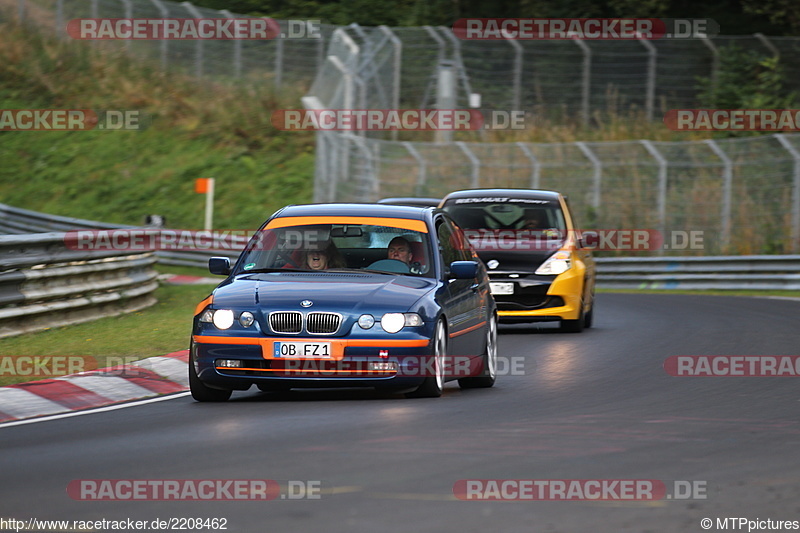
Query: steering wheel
390	265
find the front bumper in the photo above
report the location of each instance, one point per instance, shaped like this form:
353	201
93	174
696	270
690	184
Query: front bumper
540	298
400	363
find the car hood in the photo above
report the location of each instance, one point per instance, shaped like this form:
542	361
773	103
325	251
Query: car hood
339	292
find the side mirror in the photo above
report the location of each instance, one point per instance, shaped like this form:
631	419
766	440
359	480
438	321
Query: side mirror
219	265
464	269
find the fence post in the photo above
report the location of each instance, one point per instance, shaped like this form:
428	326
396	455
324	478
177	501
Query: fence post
476	164
445	96
650	96
396	63
421	173
321	175
795	191
727	184
662	187
367	170
21	10
237	48
597	176
586	81
767	44
459	61
714	64
198	51
278	67
128	15
440	57
536	166
60	19
164	42
516	94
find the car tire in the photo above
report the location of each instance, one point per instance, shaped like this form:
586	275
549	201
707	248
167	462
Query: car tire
589	317
489	374
574	326
433	386
201	392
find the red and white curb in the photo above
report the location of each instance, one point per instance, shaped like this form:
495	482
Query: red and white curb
149	377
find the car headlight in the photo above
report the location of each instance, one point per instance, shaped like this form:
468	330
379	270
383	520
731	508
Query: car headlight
366	321
246	319
221	318
394	322
558	263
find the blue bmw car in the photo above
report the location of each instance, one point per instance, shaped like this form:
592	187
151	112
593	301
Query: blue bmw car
347	295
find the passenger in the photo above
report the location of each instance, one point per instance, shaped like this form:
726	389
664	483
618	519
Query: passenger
329	257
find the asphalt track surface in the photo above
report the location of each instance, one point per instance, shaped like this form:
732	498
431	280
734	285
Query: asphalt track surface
595	405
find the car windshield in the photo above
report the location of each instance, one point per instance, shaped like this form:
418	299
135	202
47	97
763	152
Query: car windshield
509	223
338	247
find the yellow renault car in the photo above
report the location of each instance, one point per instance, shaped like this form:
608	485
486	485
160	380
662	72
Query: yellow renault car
539	267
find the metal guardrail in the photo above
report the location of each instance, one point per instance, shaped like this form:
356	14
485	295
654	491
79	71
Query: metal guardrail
44	284
17	221
753	272
761	272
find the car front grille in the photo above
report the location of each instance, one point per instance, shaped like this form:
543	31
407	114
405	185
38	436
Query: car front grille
286	322
323	323
317	323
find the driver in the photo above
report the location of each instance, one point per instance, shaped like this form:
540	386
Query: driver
400	250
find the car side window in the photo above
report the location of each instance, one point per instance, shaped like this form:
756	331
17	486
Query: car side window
447	244
460	243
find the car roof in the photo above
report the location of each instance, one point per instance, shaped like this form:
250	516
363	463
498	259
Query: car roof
512	193
411	201
359	210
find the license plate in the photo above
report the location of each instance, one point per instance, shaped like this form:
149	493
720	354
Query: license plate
501	288
302	350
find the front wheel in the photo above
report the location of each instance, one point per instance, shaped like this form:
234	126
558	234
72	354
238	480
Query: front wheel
433	385
489	374
201	392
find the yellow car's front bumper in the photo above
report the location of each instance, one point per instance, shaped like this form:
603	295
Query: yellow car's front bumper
569	287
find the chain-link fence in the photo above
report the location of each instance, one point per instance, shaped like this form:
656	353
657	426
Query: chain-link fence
742	194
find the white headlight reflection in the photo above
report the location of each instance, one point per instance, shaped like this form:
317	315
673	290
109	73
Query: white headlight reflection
393	322
223	318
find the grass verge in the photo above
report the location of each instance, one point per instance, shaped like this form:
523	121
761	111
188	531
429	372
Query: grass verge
158	330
